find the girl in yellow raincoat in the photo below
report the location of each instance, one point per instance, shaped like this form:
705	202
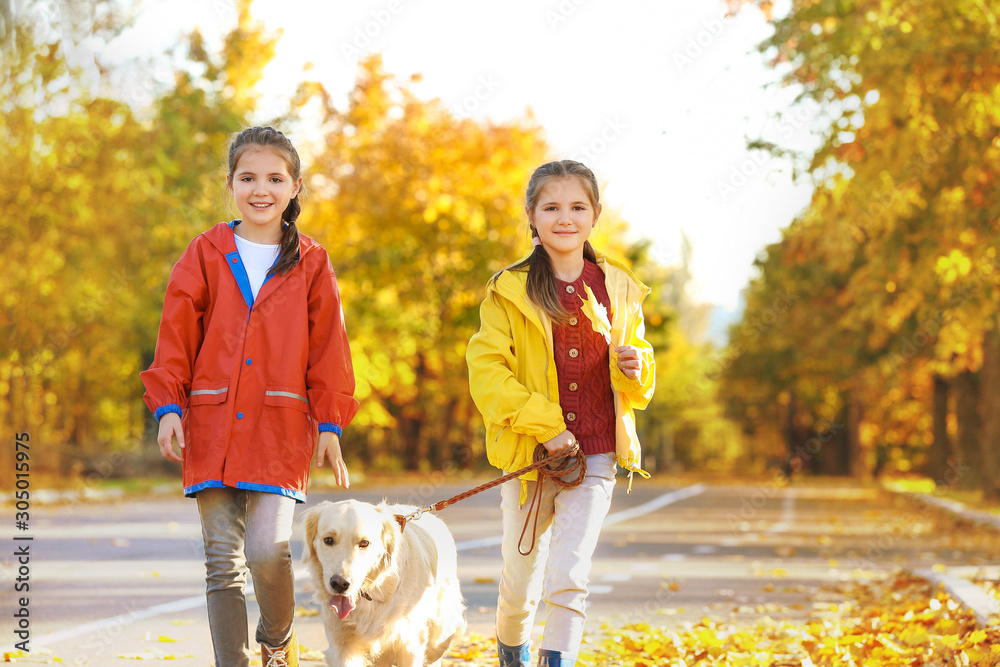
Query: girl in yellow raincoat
560	359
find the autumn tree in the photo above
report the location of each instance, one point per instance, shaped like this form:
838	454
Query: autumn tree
106	196
902	229
68	235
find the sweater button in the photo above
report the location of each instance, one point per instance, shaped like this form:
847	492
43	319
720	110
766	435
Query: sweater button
573	321
249	361
573	386
573	352
570	289
571	416
239	415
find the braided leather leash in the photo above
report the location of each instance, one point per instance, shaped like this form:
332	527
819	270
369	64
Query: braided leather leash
541	463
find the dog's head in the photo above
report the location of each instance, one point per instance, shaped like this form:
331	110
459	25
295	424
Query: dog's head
349	548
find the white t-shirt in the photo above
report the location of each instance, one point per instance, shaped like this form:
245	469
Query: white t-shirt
257	259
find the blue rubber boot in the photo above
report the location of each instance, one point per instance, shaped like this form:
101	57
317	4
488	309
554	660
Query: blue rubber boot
514	656
549	658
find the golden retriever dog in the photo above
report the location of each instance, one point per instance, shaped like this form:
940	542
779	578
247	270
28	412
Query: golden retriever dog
390	596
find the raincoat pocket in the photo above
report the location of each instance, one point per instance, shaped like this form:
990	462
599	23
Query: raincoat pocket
208	393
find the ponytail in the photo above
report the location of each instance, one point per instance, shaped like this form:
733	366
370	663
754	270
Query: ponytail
541	285
288	254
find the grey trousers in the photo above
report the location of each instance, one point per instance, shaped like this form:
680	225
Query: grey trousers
247	531
557	571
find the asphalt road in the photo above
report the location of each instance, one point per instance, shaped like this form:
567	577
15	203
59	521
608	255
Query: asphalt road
112	581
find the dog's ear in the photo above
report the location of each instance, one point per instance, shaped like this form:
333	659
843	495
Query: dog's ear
385	577
310	519
390	530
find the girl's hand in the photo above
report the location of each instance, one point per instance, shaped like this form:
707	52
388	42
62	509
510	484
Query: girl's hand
170	427
328	446
564	443
629	361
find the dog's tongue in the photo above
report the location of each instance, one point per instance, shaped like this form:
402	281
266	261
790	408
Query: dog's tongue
341	605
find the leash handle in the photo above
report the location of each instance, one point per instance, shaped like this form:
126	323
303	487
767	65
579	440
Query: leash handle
556	475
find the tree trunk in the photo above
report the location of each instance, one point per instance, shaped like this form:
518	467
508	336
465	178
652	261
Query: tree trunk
937	455
410	428
793	463
856	453
836	444
442	449
989	416
966	386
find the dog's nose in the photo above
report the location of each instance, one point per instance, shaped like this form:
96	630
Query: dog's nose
338	584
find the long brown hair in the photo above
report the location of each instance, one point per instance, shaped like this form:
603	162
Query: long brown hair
258	137
541	287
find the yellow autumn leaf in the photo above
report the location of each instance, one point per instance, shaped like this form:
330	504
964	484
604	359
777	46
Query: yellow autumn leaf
914	635
847	640
311	655
707	638
163	639
977	637
306	612
597	314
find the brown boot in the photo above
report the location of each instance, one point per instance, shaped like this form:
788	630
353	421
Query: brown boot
284	656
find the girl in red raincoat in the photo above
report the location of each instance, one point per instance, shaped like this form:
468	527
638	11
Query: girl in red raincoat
252	360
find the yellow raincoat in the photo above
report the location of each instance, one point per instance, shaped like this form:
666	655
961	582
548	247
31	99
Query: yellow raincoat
512	372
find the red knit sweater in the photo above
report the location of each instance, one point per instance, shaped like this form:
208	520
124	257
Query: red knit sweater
581	356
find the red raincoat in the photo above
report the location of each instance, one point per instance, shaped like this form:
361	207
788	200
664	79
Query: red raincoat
252	379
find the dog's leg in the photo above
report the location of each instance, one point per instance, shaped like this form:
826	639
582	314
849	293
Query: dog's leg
339	654
410	660
336	658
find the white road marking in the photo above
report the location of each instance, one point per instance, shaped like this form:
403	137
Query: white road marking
784	524
119	621
468	545
655	504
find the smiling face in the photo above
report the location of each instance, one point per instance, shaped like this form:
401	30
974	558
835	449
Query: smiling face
262	187
564	216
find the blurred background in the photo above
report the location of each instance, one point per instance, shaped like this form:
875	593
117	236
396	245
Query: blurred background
809	187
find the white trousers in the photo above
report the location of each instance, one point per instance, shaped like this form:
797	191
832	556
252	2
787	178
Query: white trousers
557	570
